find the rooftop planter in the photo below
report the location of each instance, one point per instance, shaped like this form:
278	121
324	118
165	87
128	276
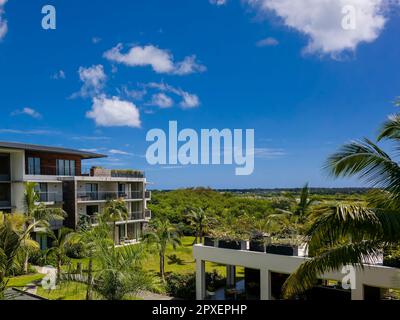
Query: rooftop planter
209	242
391	258
258	242
127	174
283	249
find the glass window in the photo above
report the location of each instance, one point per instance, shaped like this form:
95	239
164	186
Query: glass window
60	168
33	166
72	165
66	167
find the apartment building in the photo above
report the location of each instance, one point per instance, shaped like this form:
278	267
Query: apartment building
62	183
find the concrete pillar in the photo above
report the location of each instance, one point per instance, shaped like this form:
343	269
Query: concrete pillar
231	276
265	285
357	294
200	280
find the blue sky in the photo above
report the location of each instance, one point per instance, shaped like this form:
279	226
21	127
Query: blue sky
111	72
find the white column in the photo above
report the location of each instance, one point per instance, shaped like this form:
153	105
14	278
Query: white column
358	293
265	285
200	280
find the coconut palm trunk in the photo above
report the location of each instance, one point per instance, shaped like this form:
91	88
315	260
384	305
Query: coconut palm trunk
162	266
90	279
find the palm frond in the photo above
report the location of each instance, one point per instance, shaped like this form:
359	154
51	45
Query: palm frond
346	254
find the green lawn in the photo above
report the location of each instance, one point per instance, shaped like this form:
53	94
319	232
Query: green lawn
23	281
66	291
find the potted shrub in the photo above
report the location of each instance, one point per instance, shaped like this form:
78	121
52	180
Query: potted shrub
257	242
209	241
391	257
283	247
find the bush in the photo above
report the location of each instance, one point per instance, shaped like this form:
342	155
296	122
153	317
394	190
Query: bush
41	258
76	251
181	286
392	257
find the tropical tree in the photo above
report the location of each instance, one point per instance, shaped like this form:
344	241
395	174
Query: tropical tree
198	219
121	274
160	234
347	234
115	210
36	211
294	219
13	237
92	238
61	240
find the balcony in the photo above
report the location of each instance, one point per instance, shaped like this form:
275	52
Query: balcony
136	216
102	172
147	215
109	195
148	195
50	197
97	196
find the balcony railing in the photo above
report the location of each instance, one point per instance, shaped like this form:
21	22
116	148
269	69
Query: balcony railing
133	216
148	195
136	215
50	197
97	196
109	195
147	214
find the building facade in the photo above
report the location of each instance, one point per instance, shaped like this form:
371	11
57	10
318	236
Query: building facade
62	183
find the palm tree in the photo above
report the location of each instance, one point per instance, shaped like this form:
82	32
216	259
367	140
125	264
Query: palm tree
345	234
198	219
13	237
161	233
121	274
38	212
92	239
61	240
115	211
293	220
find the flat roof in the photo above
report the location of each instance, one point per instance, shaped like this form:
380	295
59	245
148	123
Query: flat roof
40	148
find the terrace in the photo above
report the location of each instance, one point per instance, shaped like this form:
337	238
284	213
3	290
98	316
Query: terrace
267	266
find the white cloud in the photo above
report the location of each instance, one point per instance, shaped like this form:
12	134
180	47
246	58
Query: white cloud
161	100
218	2
321	21
93	79
268	42
96	40
3	22
27	111
29	132
120	152
160	60
268	153
114	112
188	66
59	75
188	100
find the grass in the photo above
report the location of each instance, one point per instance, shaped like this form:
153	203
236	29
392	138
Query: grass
66	291
23	281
